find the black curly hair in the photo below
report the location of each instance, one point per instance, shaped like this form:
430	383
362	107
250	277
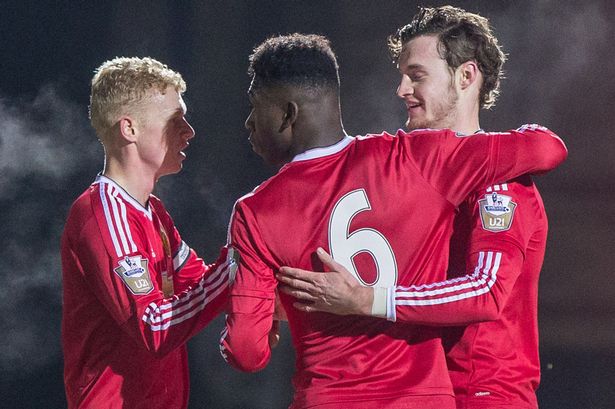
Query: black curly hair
463	36
304	60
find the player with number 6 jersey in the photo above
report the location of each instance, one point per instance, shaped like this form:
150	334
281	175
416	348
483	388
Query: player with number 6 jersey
349	198
382	204
450	66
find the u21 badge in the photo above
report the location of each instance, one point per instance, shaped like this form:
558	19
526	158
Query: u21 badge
496	212
134	273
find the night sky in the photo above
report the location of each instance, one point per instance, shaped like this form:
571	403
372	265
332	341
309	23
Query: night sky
560	74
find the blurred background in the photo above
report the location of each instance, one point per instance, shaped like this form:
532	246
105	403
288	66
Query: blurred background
560	73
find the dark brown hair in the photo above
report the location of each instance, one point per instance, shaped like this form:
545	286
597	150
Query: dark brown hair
462	36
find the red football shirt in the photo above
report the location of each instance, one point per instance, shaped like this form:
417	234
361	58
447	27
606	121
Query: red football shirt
133	294
497	251
497	362
382	205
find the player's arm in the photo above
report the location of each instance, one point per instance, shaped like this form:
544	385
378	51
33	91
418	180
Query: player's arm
249	330
494	262
126	285
477	296
456	166
503	218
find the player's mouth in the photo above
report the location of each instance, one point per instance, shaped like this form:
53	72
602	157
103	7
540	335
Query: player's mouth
181	151
411	105
414	109
254	144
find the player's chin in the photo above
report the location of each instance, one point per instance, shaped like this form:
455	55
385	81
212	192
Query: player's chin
260	152
181	157
414	123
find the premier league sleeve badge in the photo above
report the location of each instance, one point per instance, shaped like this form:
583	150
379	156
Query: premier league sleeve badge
134	273
496	212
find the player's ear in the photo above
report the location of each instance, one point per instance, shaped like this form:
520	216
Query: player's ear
290	115
468	74
128	129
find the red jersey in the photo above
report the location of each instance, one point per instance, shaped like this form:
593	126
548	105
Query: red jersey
497	362
133	294
497	252
382	205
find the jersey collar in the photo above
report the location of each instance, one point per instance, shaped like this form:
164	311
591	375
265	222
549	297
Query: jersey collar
480	130
147	211
324	151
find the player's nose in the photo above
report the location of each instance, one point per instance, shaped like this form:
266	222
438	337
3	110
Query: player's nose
188	130
405	87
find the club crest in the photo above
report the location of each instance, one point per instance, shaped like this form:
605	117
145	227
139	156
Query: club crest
134	273
496	212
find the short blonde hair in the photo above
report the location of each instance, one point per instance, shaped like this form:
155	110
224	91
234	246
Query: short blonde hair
121	84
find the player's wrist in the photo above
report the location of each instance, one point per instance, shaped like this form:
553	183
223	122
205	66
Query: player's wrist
378	302
362	301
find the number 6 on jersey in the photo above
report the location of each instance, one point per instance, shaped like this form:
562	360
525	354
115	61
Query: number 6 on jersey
345	246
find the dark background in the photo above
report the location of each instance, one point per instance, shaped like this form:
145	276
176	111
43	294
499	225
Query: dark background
560	74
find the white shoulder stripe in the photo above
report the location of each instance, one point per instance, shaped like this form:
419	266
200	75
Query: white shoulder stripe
117	220
131	242
110	225
121	221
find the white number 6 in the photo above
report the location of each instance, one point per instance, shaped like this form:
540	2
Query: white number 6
345	246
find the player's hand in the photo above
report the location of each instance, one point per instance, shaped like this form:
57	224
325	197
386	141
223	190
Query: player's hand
336	291
274	334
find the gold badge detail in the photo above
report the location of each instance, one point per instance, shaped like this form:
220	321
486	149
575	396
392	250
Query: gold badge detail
496	212
165	242
167	275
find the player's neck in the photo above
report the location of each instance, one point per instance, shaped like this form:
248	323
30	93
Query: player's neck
466	128
135	180
325	132
466	121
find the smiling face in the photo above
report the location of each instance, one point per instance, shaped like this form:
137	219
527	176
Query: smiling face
164	132
427	85
270	138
